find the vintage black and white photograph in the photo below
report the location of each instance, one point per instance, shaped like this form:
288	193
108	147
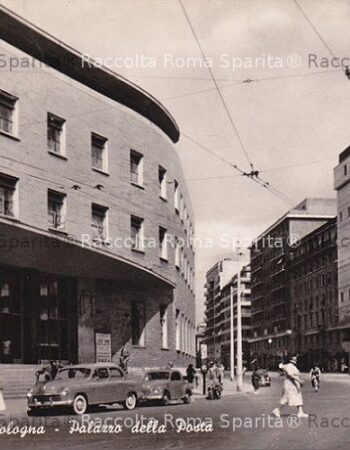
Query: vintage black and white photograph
174	224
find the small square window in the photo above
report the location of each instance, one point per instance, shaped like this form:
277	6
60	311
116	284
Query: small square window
99	152
56	205
8	113
136	168
56	134
136	232
99	223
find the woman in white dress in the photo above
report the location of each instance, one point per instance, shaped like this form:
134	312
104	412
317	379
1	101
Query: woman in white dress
291	394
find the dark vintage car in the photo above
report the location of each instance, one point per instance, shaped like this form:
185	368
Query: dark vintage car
84	385
164	385
265	379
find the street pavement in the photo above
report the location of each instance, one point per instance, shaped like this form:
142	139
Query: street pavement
237	421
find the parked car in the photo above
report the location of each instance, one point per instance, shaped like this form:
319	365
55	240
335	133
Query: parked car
164	385
265	379
83	385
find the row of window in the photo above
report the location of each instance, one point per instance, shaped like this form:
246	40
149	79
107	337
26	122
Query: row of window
56	142
56	210
184	329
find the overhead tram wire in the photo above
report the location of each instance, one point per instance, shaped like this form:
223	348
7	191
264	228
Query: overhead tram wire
308	20
216	85
253	175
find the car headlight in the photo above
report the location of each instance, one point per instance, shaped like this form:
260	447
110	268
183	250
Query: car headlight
30	394
64	392
156	391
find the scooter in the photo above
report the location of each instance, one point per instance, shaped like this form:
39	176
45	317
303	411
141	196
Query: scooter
214	391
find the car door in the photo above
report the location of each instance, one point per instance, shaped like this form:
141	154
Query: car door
99	389
176	385
117	385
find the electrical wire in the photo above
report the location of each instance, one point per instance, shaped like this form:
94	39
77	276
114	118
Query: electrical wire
216	85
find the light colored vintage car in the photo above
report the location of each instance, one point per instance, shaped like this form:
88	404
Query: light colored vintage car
84	385
164	385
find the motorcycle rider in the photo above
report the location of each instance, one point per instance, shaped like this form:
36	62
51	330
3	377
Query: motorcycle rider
315	374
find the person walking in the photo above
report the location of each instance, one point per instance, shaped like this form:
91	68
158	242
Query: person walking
191	374
221	372
2	401
315	374
291	394
255	379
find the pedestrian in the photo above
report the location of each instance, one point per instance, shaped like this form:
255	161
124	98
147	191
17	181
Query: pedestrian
315	374
291	394
124	357
170	365
191	374
255	379
6	351
53	369
2	401
221	372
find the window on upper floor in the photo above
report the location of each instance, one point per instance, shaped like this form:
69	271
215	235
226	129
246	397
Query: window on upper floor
177	253
340	216
56	208
136	168
8	113
8	196
56	134
162	182
99	159
345	169
99	222
176	196
163	243
136	232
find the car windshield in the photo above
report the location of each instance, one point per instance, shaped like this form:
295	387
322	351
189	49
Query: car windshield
73	374
151	376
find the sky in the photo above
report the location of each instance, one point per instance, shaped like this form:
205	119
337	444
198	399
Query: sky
291	120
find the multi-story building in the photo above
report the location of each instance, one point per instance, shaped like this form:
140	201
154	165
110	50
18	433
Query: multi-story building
217	277
316	336
93	212
271	310
224	317
342	186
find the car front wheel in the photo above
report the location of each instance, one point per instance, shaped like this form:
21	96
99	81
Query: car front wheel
166	399
80	404
130	402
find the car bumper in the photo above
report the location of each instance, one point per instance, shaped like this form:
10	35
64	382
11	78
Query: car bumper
146	397
48	403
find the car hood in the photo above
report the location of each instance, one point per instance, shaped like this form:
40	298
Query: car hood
54	387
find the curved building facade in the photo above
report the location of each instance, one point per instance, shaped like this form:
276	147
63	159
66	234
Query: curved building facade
95	218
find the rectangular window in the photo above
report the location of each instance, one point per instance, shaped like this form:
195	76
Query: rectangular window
345	169
136	168
8	196
56	134
8	119
181	212
177	254
56	206
99	152
176	196
99	222
163	315
136	232
163	244
177	331
138	322
162	182
340	216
